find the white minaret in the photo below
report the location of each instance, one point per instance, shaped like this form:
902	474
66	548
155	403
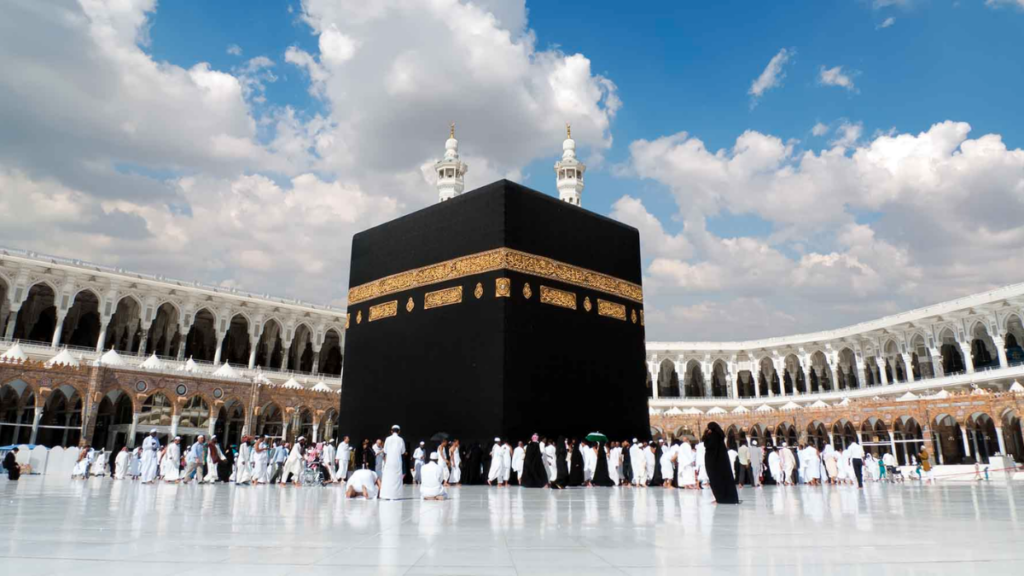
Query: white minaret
451	171
569	171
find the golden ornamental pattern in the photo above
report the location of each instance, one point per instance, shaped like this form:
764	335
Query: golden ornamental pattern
557	297
385	310
527	291
586	304
632	315
444	297
359	317
611	309
641	317
479	290
348	317
502	287
497	259
410	305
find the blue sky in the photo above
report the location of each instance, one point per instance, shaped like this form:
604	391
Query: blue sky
878	167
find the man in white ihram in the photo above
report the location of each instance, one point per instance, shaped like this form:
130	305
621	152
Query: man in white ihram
150	453
495	473
343	452
432	480
391	480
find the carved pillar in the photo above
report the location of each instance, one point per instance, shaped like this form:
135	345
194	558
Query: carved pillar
882	362
104	322
58	328
965	349
144	342
733	380
174	422
286	348
936	358
181	342
316	360
253	346
967	443
220	348
35	424
12	320
908	365
1000	344
999	437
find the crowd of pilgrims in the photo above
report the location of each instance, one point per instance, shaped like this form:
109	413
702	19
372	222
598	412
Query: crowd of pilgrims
538	463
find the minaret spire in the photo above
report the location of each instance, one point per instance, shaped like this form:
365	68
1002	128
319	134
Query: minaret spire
450	171
569	171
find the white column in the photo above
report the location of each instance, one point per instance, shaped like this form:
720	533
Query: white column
734	380
862	373
220	347
892	443
936	355
133	430
652	370
145	341
965	349
316	361
999	437
181	345
880	361
174	425
1000	344
908	361
58	329
757	385
212	427
103	335
35	424
286	349
316	431
967	443
253	346
12	320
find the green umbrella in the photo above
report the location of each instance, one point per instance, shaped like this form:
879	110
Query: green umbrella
596	437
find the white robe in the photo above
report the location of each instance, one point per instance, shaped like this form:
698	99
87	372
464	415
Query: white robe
551	462
99	466
81	468
702	472
442	461
639	463
518	457
261	460
433	480
666	463
150	453
813	467
170	466
495	473
328	459
686	459
243	471
293	465
121	464
589	462
615	465
775	467
506	462
417	464
456	474
391	481
343	455
649	455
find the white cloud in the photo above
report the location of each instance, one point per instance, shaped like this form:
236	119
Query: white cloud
1001	3
836	77
772	75
819	129
888	22
234	50
949	221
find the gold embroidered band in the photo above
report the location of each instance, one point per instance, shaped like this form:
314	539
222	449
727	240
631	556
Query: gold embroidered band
611	309
444	297
497	259
557	297
385	310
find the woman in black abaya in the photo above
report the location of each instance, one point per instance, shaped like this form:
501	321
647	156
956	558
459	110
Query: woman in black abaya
576	469
534	473
601	477
716	460
561	467
627	465
471	475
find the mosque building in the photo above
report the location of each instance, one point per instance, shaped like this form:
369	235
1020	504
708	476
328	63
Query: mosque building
98	355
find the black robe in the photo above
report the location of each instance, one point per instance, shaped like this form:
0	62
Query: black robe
576	470
627	466
562	468
225	466
657	480
534	473
716	461
11	465
601	476
472	474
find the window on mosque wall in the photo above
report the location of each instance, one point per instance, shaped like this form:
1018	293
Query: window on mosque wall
156	411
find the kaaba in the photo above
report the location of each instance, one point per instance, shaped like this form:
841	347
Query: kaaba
500	312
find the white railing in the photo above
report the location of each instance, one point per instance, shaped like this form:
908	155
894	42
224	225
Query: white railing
890	391
41	352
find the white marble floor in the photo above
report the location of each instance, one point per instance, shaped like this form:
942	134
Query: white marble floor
108	528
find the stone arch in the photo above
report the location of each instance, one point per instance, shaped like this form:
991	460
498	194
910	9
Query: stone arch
921	357
113	420
745	383
817	434
270	421
1013	341
847	370
896	367
909	439
981	437
195	413
156	411
124	332
236	345
164	332
819	374
952	359
875	436
201	342
270	350
793	376
693	380
843	433
685	432
1013	437
668	379
230	422
17	412
947	439
331	354
983	348
81	326
304	423
786	433
61	422
732	437
37	318
762	434
328	427
767	377
720	380
301	352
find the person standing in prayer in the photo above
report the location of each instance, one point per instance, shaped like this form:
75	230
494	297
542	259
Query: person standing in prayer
702	471
261	461
775	466
856	455
150	452
495	473
756	461
659	448
533	473
196	461
442	460
788	465
716	461
344	452
518	458
328	457
455	478
243	469
121	463
506	462
293	465
639	462
743	455
11	465
394	452
363	483
433	484
417	462
378	458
